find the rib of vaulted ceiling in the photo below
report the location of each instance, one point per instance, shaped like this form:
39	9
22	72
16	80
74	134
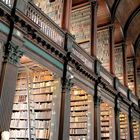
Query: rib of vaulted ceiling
128	14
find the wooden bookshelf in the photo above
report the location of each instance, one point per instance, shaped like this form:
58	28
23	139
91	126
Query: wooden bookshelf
80	26
52	9
124	132
130	74
103	49
80	117
136	130
106	117
118	63
34	99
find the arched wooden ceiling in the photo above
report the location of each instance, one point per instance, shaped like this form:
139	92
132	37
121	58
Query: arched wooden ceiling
118	33
126	16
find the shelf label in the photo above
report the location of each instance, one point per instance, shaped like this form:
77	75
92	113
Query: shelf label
81	57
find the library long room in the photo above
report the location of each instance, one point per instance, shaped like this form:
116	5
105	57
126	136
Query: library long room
69	69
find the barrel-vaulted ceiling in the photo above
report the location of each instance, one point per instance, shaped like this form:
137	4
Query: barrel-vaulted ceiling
126	16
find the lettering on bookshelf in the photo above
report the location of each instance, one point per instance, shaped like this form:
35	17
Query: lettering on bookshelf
81	57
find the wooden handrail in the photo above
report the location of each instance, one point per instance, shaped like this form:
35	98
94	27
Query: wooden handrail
84	56
106	75
8	2
47	26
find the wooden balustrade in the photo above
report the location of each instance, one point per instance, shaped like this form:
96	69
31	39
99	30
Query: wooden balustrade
106	75
133	98
83	56
122	89
8	2
47	26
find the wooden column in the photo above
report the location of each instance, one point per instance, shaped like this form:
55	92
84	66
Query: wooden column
8	84
135	76
124	64
64	125
111	34
130	117
90	123
1	55
97	101
67	8
117	119
93	28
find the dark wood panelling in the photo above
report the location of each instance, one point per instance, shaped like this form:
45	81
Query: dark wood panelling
129	49
103	14
77	2
130	19
118	34
134	29
125	8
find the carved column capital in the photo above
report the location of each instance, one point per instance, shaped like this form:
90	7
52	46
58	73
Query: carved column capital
117	107
12	53
131	112
68	83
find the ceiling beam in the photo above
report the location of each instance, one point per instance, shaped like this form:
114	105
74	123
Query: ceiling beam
129	20
114	9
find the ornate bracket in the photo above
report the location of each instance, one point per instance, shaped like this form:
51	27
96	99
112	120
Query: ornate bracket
68	83
97	100
12	54
117	107
130	112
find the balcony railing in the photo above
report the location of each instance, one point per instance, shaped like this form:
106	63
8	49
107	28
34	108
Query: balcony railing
8	2
106	75
46	25
122	89
133	98
83	56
